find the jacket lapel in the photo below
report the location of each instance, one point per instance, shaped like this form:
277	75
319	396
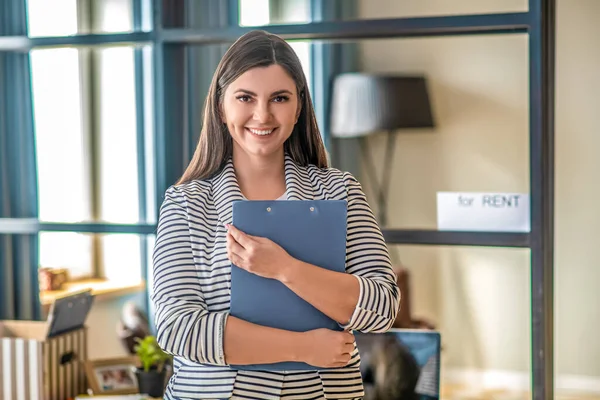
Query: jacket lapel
226	190
297	182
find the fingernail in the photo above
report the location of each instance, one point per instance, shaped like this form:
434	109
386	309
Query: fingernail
227	226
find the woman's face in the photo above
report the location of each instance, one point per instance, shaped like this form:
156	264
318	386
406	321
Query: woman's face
260	109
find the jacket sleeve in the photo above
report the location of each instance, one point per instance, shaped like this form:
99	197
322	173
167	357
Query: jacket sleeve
185	327
368	259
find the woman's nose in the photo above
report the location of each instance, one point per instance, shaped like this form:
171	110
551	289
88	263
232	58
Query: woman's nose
262	113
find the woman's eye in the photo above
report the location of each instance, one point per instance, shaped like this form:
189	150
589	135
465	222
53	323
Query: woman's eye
280	99
244	98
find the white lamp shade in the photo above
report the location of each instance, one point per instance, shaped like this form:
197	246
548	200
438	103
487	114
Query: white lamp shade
362	104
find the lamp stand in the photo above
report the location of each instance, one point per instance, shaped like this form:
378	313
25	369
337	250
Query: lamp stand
381	190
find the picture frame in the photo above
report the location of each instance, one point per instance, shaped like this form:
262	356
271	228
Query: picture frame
112	375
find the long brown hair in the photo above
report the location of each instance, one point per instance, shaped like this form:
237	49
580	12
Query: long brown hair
215	146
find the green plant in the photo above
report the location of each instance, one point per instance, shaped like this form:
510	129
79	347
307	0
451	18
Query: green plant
150	353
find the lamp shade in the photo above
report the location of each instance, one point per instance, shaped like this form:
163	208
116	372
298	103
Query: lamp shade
362	104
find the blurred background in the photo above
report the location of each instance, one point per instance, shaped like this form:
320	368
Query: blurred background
93	132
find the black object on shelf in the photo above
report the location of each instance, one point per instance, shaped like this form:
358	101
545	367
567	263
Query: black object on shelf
69	313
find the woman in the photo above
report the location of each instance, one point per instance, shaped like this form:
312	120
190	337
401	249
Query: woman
260	141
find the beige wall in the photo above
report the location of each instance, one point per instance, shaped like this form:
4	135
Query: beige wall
479	297
102	323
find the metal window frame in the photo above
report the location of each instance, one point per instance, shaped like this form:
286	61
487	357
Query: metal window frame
538	23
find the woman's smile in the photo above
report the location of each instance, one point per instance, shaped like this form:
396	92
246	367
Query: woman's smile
262	132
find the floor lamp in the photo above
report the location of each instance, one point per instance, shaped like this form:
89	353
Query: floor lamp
364	104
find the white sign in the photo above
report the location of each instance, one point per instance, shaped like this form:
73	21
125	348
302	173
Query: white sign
488	212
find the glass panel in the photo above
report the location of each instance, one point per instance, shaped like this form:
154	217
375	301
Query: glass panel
478	92
289	11
151	242
302	49
60	146
576	261
148	105
266	12
119	192
478	299
418	8
254	12
52	18
121	258
112	16
69	250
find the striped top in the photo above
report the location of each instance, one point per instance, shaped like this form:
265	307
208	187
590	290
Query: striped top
192	283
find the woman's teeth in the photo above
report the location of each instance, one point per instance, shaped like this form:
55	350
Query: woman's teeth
261	132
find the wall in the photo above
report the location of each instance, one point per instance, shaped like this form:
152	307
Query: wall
102	326
479	297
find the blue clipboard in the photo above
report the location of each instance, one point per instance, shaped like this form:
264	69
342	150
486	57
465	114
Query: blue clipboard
313	231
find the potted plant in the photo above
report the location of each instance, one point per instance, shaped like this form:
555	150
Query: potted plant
151	375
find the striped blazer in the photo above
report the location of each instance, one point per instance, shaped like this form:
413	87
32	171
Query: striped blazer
192	282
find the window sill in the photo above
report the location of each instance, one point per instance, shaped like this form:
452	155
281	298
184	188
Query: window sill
102	289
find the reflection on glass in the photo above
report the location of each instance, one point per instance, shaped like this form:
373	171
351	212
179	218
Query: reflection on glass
69	250
52	18
118	184
60	144
121	258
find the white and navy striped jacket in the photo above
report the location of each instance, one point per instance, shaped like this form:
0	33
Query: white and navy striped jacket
192	282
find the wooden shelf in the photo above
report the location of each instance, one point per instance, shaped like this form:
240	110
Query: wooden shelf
101	288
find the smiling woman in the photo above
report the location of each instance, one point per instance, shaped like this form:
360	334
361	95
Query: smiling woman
260	139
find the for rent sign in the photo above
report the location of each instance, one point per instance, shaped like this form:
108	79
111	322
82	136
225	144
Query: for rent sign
473	211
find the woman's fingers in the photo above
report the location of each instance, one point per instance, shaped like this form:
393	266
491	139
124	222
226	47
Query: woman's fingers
235	252
236	260
349	337
244	240
348	348
342	361
234	246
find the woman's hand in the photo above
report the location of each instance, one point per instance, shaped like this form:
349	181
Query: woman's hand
257	255
325	348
